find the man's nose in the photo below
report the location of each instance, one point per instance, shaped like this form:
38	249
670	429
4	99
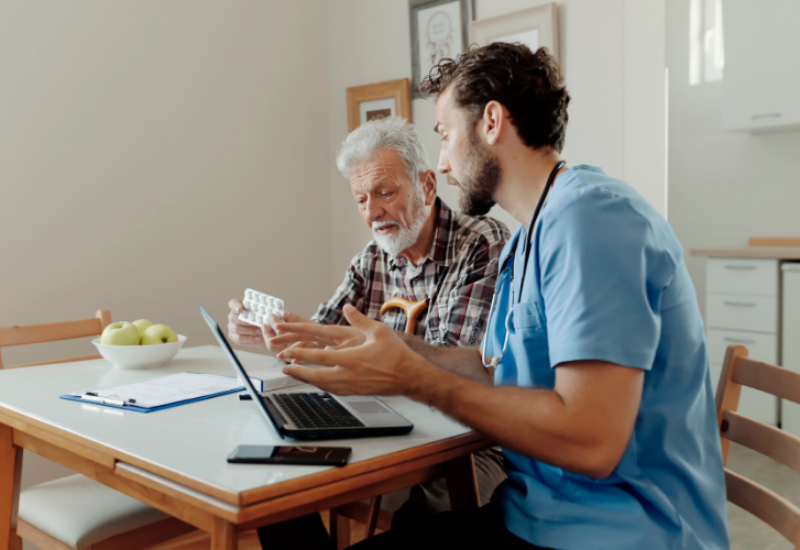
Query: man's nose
374	211
443	167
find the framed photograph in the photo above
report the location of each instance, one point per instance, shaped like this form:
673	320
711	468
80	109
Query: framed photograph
438	30
535	28
380	100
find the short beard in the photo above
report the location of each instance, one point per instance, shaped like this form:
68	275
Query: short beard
405	237
481	178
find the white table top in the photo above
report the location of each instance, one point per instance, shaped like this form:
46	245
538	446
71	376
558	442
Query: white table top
192	439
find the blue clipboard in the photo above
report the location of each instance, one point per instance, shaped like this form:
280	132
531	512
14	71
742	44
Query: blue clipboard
79	399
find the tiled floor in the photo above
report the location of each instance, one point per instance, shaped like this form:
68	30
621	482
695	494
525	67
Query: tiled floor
746	531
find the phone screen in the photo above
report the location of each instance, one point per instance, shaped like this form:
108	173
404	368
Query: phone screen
285	454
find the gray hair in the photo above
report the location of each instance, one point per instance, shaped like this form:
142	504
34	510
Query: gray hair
392	132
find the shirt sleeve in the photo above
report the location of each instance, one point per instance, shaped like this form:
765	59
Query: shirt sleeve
602	276
351	291
470	297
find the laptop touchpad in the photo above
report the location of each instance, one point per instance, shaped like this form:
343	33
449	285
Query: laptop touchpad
368	407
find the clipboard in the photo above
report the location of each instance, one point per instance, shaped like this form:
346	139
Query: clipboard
159	393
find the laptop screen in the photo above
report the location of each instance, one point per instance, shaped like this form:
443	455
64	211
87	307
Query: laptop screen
223	342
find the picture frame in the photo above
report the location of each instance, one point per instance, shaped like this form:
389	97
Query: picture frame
379	100
534	27
439	29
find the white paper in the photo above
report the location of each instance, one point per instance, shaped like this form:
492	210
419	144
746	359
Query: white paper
168	389
439	31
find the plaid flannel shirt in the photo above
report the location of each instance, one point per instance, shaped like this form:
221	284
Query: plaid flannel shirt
457	276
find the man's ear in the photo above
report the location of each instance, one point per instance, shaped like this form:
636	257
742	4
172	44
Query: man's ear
495	121
428	179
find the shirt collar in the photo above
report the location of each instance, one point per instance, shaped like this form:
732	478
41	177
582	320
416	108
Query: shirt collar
440	252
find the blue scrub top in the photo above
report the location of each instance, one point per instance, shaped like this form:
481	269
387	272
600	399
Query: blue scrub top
606	281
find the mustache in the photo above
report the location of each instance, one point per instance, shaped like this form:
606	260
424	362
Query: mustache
453	181
378	225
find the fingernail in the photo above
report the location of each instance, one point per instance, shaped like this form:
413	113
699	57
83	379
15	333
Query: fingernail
258	338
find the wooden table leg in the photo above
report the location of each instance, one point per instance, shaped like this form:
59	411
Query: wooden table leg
372	516
10	475
462	485
224	536
340	529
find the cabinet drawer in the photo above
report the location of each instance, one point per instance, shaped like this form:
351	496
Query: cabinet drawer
762	347
734	311
738	276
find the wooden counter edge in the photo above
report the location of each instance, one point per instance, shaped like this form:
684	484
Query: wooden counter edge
762	252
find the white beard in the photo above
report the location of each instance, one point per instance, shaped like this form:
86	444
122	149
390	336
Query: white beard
404	238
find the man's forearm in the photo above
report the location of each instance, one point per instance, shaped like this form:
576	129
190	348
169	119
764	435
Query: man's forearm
462	361
533	422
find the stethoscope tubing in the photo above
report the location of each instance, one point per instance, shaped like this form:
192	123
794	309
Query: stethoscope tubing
494	361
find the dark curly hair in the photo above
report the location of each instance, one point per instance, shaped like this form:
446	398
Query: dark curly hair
528	84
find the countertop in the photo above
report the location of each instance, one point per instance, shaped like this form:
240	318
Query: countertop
773	252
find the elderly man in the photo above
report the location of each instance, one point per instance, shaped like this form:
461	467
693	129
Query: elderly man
421	249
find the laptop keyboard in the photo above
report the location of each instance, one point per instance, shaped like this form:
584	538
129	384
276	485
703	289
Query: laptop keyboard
315	411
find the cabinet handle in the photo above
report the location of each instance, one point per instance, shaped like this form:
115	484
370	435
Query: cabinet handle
765	115
739	340
739	304
741	267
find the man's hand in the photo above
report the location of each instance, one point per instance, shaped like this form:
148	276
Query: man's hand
245	334
309	335
368	358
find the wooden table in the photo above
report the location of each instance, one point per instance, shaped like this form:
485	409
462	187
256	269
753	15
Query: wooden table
174	459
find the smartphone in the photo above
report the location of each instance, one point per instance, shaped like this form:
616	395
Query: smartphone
268	454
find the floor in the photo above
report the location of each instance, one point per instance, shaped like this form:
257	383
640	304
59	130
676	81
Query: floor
746	531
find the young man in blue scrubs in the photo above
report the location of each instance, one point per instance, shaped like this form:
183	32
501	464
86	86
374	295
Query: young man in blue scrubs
601	397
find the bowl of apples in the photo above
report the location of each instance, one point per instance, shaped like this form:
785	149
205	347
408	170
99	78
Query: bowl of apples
138	345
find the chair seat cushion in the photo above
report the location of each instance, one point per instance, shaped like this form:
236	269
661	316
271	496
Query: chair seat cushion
80	512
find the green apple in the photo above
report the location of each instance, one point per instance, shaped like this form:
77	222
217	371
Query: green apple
141	325
122	333
158	334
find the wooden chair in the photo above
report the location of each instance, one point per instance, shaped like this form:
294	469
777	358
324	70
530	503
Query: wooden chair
371	514
76	512
738	371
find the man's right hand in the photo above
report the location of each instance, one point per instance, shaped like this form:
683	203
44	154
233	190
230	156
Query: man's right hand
245	334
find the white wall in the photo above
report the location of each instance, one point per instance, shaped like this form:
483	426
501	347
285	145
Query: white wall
157	156
612	53
724	187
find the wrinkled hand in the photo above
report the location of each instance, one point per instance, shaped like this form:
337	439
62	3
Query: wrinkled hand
310	335
368	358
264	337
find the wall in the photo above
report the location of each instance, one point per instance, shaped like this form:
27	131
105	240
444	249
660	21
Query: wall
612	53
154	157
724	187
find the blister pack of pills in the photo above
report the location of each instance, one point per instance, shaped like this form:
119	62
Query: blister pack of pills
258	306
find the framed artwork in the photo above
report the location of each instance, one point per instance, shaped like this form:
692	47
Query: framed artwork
380	100
438	30
535	27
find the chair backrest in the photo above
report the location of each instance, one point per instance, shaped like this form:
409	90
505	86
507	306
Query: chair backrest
51	332
737	371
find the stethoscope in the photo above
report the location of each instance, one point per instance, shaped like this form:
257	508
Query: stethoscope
494	361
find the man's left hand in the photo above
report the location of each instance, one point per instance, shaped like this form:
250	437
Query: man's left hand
381	365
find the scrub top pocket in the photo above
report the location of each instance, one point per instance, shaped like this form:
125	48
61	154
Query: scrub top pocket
527	364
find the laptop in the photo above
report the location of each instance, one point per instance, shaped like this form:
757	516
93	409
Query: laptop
317	415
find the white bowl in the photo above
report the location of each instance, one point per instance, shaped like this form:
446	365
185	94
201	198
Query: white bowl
139	357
